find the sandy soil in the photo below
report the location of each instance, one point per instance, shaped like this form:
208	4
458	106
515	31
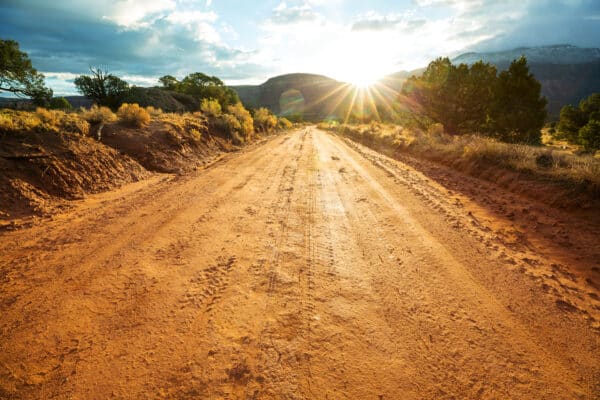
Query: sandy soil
306	268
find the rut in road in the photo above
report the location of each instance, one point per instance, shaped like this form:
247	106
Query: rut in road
308	267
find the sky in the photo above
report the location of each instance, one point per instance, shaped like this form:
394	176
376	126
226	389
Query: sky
246	42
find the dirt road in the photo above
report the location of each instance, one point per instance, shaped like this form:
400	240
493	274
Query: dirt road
305	268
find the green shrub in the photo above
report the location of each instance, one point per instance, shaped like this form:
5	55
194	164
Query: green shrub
589	135
166	100
574	121
60	103
475	99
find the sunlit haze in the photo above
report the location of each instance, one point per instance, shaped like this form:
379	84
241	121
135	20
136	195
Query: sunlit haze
247	42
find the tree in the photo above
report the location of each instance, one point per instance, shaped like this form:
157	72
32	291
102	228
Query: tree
169	82
59	103
571	121
476	100
430	90
518	109
202	86
478	95
103	88
589	135
579	125
18	76
590	107
457	96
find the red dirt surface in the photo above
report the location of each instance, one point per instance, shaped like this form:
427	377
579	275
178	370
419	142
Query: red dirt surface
308	267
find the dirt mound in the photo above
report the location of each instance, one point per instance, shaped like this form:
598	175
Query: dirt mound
166	100
44	160
171	143
39	168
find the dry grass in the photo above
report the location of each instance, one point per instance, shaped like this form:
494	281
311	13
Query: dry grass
154	112
475	153
133	115
98	115
183	128
284	124
42	120
180	129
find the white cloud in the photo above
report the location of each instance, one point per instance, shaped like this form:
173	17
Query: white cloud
199	24
140	80
190	17
133	14
371	44
285	15
372	21
60	75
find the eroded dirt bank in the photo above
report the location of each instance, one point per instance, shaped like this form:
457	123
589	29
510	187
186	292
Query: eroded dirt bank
306	268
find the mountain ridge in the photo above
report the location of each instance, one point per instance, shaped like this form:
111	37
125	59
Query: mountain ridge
566	72
552	54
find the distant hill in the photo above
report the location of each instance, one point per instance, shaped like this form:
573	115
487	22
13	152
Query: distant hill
557	54
567	73
164	99
314	96
24	103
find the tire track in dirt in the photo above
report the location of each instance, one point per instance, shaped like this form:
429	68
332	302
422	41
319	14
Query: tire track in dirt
134	301
301	269
527	254
215	358
550	291
305	272
271	346
382	223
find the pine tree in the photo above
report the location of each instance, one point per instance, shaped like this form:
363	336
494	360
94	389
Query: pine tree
518	109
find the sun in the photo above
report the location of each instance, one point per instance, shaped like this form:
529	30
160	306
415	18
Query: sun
361	74
363	81
362	78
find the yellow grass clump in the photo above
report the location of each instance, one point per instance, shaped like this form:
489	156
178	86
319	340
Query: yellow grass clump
154	112
98	115
477	152
184	128
133	115
42	120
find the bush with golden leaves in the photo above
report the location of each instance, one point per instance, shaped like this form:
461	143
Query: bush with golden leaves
42	120
154	112
264	120
245	120
133	115
284	123
98	115
211	108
